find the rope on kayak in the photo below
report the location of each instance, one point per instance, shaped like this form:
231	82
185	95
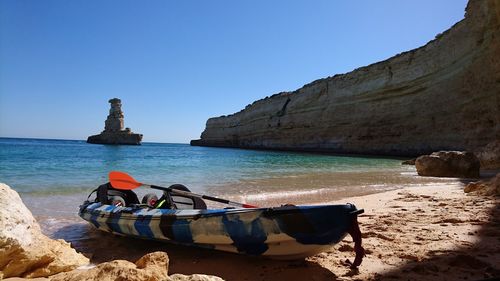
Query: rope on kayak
355	233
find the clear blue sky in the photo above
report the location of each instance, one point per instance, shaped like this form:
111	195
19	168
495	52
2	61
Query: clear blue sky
174	64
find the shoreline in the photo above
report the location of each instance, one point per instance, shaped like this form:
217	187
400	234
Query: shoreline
432	232
300	189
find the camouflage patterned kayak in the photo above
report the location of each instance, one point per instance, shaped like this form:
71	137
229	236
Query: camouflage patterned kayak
287	232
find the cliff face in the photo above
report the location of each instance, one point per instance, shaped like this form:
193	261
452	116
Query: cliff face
444	95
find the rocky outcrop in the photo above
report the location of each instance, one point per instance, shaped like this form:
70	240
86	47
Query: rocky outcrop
489	155
491	187
448	164
24	250
442	96
113	128
151	267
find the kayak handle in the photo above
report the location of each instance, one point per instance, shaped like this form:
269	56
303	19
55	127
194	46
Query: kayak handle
357	212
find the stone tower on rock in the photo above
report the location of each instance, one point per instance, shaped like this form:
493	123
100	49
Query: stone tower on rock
113	128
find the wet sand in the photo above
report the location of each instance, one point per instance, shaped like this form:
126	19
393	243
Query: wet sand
431	232
316	188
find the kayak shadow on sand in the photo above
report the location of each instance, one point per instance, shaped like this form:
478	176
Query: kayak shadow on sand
102	247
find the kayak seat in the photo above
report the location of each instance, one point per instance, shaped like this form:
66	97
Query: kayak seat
106	194
170	200
149	199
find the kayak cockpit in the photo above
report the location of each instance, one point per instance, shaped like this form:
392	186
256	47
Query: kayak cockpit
107	195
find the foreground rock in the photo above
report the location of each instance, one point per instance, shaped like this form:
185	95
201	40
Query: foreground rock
24	250
491	187
113	130
151	267
443	95
448	164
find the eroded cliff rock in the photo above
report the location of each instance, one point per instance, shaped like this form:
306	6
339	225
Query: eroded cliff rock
24	250
442	96
114	132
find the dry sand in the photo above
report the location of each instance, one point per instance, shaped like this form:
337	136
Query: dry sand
416	233
430	232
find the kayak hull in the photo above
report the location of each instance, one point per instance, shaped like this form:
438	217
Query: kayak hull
287	232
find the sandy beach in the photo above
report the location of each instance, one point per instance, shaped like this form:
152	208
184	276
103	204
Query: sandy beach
431	232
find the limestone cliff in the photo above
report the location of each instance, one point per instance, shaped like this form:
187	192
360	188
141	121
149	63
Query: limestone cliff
444	95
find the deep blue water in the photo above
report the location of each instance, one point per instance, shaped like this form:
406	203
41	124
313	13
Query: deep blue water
33	166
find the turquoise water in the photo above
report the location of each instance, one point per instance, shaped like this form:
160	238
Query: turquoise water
37	166
54	177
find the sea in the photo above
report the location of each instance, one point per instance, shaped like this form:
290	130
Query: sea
53	177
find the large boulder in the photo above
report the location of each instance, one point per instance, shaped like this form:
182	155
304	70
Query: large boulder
24	250
448	164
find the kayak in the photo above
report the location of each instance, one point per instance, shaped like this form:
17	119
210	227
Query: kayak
285	232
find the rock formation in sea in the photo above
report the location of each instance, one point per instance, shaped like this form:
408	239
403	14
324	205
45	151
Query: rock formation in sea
24	250
113	128
442	96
